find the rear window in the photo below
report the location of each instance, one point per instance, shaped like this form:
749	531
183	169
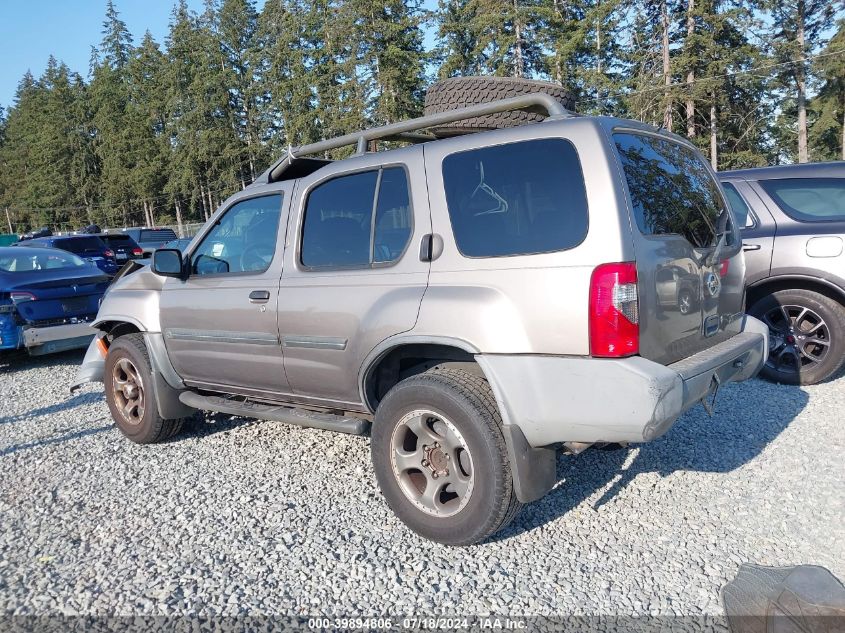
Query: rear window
117	239
157	235
516	199
50	259
672	189
80	245
809	199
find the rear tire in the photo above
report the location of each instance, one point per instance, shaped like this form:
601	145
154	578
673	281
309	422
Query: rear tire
440	457
806	336
130	394
459	92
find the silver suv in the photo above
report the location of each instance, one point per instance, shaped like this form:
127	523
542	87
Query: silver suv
793	220
476	302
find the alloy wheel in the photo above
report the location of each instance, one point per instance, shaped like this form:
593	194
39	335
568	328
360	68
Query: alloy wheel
799	338
432	463
128	391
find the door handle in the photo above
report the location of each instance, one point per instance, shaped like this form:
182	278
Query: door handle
431	247
750	247
259	296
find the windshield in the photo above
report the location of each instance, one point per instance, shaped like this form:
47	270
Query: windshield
48	260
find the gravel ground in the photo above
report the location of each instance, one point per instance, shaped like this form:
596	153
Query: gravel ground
243	517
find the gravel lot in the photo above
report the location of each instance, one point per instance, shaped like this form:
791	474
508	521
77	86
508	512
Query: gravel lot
243	517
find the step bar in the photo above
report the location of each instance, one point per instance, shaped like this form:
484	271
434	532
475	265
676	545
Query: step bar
276	413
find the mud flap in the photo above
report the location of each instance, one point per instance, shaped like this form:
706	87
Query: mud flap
534	469
802	599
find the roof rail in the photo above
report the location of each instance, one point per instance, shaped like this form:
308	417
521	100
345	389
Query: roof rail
407	130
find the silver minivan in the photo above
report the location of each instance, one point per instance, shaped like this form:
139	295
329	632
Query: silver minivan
475	302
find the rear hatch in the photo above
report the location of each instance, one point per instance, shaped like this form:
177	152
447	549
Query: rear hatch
690	270
123	246
91	247
58	301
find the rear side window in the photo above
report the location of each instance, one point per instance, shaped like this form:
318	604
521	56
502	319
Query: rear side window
357	220
809	199
741	211
672	189
516	199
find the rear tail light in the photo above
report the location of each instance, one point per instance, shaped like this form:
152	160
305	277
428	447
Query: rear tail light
614	311
19	297
138	251
723	268
109	252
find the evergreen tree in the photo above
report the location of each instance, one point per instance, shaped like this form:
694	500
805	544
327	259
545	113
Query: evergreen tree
797	25
456	51
147	118
391	57
828	131
287	99
114	144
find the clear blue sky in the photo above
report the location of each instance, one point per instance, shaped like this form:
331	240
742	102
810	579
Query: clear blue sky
32	30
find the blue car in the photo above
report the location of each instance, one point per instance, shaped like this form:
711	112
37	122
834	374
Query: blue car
89	247
48	297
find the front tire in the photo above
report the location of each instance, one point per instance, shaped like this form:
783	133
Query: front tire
130	394
440	457
806	336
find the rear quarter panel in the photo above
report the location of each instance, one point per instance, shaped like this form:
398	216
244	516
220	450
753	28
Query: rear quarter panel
525	304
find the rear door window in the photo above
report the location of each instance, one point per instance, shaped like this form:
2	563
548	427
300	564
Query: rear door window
357	220
516	199
672	189
808	199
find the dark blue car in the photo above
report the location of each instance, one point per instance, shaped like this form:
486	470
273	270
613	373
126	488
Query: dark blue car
48	297
89	247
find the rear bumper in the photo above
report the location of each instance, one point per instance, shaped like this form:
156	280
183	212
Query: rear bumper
574	399
57	338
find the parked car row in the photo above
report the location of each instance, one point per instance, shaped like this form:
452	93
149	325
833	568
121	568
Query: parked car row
52	285
48	299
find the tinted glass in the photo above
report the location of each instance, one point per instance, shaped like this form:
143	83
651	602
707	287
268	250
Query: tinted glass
338	216
243	240
741	211
157	235
80	245
672	189
516	199
809	199
393	216
48	260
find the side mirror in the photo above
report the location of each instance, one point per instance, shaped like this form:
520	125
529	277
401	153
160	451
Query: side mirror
167	262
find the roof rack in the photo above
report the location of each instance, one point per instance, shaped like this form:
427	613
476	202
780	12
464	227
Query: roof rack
408	130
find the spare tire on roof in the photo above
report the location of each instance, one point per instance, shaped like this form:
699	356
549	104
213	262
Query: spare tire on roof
459	92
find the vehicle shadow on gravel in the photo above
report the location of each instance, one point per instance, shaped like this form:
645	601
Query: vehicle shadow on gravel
697	442
65	405
206	423
17	448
